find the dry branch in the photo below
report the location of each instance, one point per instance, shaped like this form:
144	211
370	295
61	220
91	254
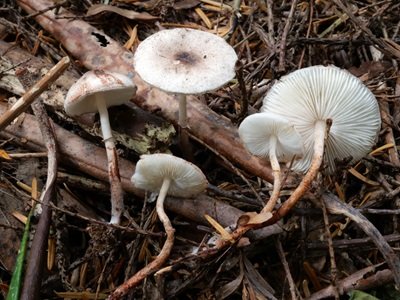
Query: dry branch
27	99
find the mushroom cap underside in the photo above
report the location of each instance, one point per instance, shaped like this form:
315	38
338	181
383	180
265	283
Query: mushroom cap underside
320	93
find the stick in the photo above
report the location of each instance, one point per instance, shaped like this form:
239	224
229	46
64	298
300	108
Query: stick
34	270
336	206
27	99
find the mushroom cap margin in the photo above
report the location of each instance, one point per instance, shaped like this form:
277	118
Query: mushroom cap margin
114	87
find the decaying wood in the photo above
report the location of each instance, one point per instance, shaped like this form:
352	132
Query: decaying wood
81	41
90	159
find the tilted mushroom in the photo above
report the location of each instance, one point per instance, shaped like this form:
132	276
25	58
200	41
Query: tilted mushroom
165	174
185	61
309	97
325	103
95	91
271	136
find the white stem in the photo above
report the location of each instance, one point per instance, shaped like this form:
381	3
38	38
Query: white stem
182	111
117	198
104	119
276	170
320	134
160	204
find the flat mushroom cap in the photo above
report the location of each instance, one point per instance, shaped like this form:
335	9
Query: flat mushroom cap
256	131
187	180
320	93
185	61
115	88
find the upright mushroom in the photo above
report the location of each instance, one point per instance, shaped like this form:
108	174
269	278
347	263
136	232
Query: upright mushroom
164	174
185	61
95	91
273	137
319	99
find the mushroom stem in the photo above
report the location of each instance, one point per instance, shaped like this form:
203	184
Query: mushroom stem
183	134
321	129
276	171
161	257
117	200
182	111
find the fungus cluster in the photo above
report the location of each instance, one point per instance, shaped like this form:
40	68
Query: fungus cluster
310	97
332	113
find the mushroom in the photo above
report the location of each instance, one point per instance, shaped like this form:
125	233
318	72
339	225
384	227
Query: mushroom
95	91
185	61
310	96
325	103
271	136
166	174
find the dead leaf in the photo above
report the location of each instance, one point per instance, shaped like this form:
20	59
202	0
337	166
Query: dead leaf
253	218
127	13
4	154
257	282
221	230
228	289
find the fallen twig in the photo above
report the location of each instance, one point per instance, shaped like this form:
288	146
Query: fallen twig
27	99
335	206
34	270
357	281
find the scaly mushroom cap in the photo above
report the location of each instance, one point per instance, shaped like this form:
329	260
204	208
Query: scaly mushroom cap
321	93
185	61
187	180
256	131
115	88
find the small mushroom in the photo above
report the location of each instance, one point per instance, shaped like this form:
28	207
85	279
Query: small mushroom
273	137
95	91
332	110
165	174
185	61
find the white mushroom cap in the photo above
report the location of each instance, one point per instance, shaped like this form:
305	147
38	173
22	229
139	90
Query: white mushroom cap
187	180
320	93
257	130
115	88
185	61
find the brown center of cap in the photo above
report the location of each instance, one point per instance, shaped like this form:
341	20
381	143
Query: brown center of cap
185	58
